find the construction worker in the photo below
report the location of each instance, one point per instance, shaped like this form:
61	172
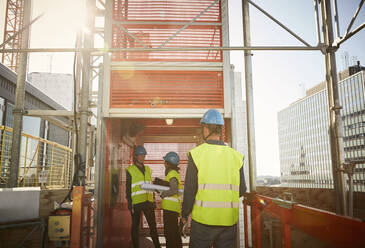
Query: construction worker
140	200
213	184
171	203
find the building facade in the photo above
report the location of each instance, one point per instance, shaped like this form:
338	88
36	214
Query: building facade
304	145
57	86
44	146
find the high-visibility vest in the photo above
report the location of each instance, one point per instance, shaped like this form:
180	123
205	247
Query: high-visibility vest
217	198
172	203
139	195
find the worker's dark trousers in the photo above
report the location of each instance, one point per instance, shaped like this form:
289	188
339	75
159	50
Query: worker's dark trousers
171	229
203	236
149	213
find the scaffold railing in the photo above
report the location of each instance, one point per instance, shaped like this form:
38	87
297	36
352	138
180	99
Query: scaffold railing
42	162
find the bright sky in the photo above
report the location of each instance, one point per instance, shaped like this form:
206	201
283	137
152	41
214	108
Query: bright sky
276	75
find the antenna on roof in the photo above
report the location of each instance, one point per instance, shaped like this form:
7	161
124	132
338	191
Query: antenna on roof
345	60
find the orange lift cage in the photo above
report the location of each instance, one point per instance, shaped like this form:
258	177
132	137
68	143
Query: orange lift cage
145	88
167	79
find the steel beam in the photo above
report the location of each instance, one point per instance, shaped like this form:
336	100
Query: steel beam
279	23
249	96
335	125
354	17
96	51
316	18
19	100
188	24
42	113
84	98
349	35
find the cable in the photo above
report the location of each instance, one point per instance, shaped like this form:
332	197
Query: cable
77	156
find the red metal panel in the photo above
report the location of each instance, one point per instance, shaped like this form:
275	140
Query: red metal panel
153	36
165	10
245	222
166	89
286	236
339	231
77	216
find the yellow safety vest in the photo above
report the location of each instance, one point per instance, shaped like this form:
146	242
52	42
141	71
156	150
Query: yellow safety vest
139	195
172	203
217	198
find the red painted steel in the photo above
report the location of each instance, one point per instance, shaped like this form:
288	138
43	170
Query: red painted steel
166	89
153	36
286	236
151	24
245	223
77	217
158	10
256	221
336	230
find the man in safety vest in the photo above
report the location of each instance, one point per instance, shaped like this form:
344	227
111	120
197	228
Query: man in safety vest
171	203
214	183
138	199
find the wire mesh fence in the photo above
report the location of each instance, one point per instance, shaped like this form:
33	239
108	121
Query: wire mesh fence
42	162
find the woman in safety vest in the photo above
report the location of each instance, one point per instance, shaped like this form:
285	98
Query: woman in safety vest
138	199
171	203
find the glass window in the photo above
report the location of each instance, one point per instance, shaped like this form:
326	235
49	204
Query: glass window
31	125
2	110
9	119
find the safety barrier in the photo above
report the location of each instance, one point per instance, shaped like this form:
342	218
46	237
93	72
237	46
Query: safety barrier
42	162
333	229
82	231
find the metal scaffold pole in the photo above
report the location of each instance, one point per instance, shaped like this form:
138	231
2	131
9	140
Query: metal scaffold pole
249	96
84	101
99	167
19	99
335	122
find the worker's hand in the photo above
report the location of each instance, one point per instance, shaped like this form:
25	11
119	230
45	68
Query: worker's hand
163	194
183	226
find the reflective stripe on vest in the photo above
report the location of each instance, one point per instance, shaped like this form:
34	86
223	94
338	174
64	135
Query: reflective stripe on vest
171	199
139	195
137	183
217	198
207	204
219	187
172	203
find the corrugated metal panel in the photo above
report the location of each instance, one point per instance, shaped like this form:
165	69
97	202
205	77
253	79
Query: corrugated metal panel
166	89
164	10
153	36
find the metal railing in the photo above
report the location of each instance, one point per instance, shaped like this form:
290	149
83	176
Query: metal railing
42	162
322	227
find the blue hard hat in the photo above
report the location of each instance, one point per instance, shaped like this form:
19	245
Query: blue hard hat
212	116
172	158
139	150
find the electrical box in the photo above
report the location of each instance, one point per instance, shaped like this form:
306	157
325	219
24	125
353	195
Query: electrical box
59	227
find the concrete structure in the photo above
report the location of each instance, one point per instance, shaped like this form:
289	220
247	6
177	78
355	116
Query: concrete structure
57	86
304	141
35	126
34	99
239	139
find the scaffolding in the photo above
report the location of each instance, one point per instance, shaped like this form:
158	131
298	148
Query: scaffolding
129	36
